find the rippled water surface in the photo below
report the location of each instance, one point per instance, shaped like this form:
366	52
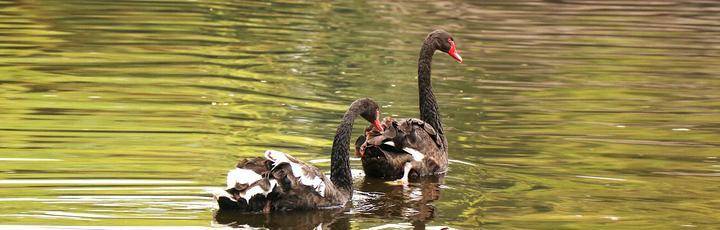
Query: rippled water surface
565	114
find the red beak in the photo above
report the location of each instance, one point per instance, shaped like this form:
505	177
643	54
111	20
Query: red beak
376	122
377	125
454	52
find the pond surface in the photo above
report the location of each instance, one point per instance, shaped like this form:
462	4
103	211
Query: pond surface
565	114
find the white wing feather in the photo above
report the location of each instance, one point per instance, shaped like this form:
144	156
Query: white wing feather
417	155
241	176
315	182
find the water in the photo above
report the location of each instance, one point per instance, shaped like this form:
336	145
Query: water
565	114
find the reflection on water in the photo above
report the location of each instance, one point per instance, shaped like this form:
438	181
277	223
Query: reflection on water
320	219
411	205
412	202
565	114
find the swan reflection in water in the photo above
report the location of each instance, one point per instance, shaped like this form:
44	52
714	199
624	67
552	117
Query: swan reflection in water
413	202
313	219
373	198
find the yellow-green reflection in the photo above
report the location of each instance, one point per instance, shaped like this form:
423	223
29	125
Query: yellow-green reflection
568	114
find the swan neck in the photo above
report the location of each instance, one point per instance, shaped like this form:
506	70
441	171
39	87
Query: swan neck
428	104
340	173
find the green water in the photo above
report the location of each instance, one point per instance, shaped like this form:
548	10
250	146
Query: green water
565	114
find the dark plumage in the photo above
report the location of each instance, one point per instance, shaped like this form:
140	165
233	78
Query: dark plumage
279	182
393	154
387	153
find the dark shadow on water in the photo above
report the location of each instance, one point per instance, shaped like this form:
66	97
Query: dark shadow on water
325	219
373	199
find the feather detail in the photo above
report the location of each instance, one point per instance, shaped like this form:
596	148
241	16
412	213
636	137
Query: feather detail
315	182
417	155
241	176
257	189
298	171
217	193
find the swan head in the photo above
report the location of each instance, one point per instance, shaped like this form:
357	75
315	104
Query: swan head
443	41
369	110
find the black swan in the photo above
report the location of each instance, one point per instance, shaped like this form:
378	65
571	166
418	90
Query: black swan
411	147
279	182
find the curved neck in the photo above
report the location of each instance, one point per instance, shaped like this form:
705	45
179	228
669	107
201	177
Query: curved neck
428	103
340	173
